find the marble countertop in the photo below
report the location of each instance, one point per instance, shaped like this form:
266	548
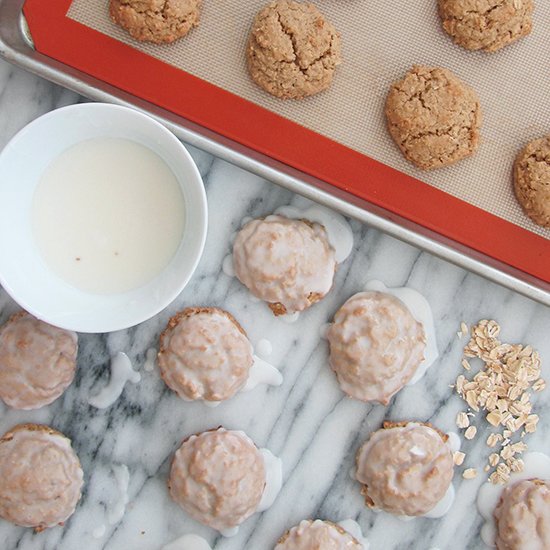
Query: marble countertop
307	421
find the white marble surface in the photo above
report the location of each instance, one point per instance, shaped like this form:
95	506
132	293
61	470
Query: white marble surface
307	421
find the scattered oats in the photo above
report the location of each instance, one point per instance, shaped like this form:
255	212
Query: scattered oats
486	468
496	479
462	420
458	457
494	459
502	389
493	439
469	473
470	433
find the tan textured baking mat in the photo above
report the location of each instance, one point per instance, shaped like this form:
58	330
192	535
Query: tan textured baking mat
381	40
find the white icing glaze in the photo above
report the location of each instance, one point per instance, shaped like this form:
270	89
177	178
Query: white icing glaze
422	312
122	478
99	531
454	442
188	542
121	372
264	347
228	533
354	529
536	465
150	360
273	479
227	266
443	506
262	372
338	230
290	318
318	534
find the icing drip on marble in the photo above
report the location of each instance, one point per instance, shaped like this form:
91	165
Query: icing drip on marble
354	529
262	372
536	465
121	372
150	360
122	478
188	542
99	531
264	347
227	266
422	312
273	479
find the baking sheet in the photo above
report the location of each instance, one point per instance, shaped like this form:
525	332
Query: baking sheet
381	41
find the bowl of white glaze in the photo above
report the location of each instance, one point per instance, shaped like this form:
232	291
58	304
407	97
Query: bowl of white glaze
103	217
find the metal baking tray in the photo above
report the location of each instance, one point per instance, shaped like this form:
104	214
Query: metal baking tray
17	48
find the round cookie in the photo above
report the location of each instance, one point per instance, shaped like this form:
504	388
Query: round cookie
522	516
37	361
285	262
487	25
40	477
317	535
405	468
204	354
157	21
532	180
433	117
218	478
292	50
376	345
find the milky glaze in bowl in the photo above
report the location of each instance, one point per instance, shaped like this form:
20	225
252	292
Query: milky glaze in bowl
23	272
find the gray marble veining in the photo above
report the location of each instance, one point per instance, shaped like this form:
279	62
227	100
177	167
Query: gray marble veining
307	421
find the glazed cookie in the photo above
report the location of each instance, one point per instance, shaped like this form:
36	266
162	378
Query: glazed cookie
532	180
40	477
317	535
287	263
376	346
522	516
433	117
158	21
204	354
37	361
218	477
486	24
405	468
292	50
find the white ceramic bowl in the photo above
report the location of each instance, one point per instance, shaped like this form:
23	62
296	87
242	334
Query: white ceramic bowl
23	272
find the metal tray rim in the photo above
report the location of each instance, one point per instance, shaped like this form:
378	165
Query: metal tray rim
16	48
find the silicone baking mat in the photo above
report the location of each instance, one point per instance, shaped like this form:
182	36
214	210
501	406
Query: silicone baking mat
381	40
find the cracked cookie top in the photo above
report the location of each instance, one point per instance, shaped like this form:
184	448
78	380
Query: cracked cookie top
532	180
487	25
158	21
317	534
433	117
292	50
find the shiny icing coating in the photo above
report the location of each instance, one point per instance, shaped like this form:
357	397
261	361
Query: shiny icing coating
522	516
40	477
376	346
218	478
204	355
287	263
317	535
37	361
405	469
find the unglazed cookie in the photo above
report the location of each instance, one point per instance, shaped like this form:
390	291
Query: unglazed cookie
37	361
405	469
204	354
532	180
317	535
218	478
287	263
292	50
433	117
376	345
40	477
522	516
486	24
158	21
